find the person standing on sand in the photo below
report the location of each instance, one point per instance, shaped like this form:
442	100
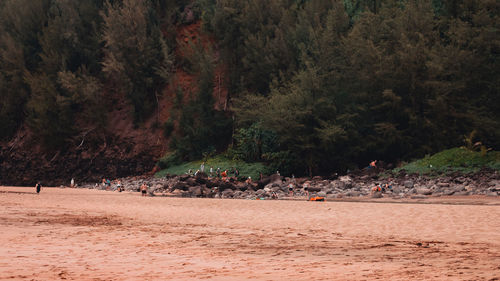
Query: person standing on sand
306	189
38	187
72	182
290	189
144	189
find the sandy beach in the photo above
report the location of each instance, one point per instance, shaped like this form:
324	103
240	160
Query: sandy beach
81	234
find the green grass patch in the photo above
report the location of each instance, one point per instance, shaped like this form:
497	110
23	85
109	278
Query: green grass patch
453	160
245	169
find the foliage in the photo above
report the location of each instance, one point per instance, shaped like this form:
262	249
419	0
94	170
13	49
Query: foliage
201	128
452	160
137	58
245	169
364	80
254	142
332	84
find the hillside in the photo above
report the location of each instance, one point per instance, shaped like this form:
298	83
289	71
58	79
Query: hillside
93	89
121	149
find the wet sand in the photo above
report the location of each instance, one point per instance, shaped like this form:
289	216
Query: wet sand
97	235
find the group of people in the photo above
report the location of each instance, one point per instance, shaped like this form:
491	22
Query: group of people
382	188
292	189
218	173
106	184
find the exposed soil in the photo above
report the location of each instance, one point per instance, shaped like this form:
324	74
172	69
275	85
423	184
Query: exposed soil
81	234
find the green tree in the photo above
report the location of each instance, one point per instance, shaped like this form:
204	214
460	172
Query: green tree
137	58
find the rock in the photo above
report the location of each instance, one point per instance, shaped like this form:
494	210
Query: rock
180	185
448	192
340	184
424	191
228	193
195	191
201	178
267	189
241	186
177	192
409	184
492	193
275	178
418	197
396	189
461	193
322	194
345	178
191	181
352	193
260	192
443	184
377	195
226	185
315	188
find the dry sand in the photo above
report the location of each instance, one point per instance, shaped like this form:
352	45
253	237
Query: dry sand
98	235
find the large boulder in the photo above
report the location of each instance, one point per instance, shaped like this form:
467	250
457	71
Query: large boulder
424	191
265	181
241	186
396	189
201	178
191	181
196	191
322	194
315	188
212	183
180	186
226	185
409	184
260	193
228	193
352	193
275	178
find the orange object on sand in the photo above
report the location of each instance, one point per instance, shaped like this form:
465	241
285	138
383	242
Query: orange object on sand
317	198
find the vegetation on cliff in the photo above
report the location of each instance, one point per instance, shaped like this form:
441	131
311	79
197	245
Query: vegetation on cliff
313	86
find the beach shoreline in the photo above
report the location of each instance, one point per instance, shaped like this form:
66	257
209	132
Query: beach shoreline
84	234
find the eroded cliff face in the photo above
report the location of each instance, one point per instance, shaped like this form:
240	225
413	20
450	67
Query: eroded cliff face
120	149
23	161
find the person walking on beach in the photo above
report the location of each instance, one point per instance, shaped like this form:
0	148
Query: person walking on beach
290	189
306	189
144	189
119	186
38	187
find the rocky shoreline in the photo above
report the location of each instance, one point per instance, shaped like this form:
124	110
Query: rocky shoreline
484	182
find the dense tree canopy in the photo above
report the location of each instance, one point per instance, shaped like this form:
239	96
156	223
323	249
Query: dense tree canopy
336	83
